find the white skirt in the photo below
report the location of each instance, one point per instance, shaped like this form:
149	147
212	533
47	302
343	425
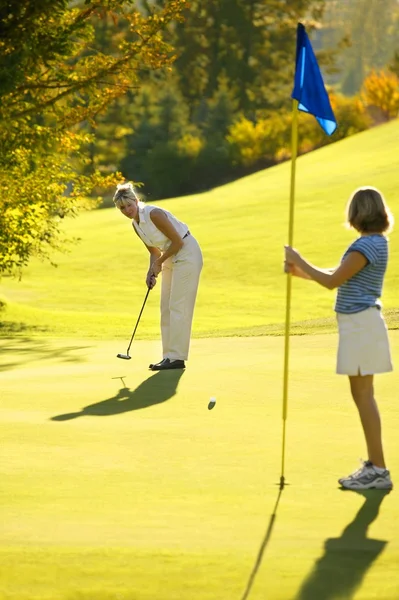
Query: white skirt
363	347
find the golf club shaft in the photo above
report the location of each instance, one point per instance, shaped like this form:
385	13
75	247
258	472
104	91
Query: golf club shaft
138	320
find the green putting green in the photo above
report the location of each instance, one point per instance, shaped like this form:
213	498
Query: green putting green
120	484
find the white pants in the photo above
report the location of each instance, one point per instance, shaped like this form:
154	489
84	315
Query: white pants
180	278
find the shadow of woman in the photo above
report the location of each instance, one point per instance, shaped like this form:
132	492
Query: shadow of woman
156	389
346	560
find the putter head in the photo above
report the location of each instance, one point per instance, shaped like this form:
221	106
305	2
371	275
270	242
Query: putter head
124	356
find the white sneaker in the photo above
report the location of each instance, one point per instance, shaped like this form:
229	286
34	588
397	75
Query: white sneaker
366	478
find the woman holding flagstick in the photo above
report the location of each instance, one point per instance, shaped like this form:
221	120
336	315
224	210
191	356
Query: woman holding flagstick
309	95
363	349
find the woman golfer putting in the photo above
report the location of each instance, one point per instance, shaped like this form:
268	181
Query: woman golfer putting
363	348
175	253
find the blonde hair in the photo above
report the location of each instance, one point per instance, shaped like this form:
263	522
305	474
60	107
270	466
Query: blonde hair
125	195
367	211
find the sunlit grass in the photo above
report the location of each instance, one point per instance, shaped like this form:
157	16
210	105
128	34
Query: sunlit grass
98	288
119	483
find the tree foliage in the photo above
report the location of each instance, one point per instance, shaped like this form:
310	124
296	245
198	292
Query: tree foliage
381	91
223	110
246	42
371	31
394	64
54	78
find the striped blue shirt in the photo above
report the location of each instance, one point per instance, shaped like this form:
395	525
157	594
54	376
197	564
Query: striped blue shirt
364	289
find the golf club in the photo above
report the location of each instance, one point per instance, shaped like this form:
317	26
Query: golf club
127	355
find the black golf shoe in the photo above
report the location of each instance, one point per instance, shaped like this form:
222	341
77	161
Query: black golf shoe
150	366
168	364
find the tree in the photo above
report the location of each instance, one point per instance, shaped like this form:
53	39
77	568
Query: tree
372	27
54	78
381	91
394	64
249	43
159	122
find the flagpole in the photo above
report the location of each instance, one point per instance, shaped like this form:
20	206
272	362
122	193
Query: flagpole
294	154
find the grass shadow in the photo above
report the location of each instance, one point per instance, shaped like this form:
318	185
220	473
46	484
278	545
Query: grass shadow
262	548
156	389
340	571
11	328
33	350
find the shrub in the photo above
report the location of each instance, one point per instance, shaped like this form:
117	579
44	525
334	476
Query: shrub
213	165
270	138
167	172
251	142
190	145
351	116
380	92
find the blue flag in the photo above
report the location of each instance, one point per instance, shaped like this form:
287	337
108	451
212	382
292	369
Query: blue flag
309	87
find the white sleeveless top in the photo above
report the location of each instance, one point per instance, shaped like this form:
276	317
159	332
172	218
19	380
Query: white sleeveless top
149	233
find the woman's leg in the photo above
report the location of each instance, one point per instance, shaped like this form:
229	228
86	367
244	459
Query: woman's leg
185	279
166	286
363	394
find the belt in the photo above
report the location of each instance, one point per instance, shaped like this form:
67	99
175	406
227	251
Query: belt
184	236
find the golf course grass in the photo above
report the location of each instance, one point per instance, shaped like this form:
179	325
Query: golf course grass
99	286
119	484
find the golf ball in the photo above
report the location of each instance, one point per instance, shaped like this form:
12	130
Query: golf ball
212	402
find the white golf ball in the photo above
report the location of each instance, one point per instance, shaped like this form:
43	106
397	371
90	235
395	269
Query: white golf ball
212	402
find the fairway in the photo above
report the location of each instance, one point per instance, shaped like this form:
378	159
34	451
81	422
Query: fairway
99	286
119	484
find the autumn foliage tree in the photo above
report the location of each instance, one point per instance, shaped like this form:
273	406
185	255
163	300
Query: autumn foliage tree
53	79
381	91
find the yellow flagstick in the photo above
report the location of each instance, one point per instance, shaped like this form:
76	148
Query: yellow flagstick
289	280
